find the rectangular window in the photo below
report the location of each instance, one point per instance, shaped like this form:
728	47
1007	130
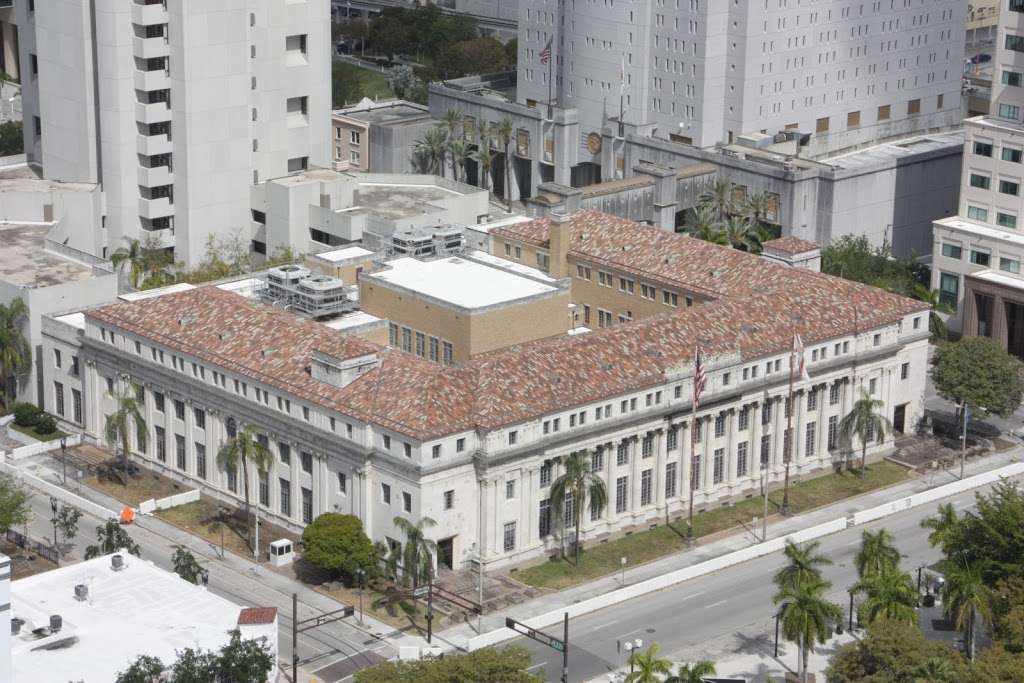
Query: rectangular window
161	444
1009	187
833	432
647	446
513	436
448	354
1011	155
719	426
200	418
179	409
646	484
1010	265
307	462
981	182
833	394
872	386
510	489
621	493
1012	77
179	449
812	399
544	518
597	460
385	494
232	473
435	451
821	125
1006	220
307	505
509	537
342	483
951	251
719	464
809	431
1009	111
905	371
57	362
201	460
766	412
406	501
766	447
76	405
386	440
743	419
949	288
913	107
671	477
58	395
622	454
672	439
545	474
460	445
976	213
983	149
449	500
695	480
741	459
884	112
853	119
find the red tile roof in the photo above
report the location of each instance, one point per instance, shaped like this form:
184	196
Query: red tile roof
252	616
791	245
751	316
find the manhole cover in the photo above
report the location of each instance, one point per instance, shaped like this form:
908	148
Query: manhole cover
651	630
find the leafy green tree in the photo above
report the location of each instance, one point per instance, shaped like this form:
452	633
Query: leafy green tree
646	667
12	141
804	564
854	258
891	652
807	617
14	504
15	350
144	669
741	234
965	598
935	670
976	370
484	157
66	521
890	594
459	150
418	551
195	666
936	325
452	122
996	664
991	537
877	554
944	526
507	665
503	133
337	543
578	485
705	225
430	151
693	673
118	425
110	538
864	422
1008	612
755	208
132	257
720	198
401	79
245	449
186	565
470	57
244	660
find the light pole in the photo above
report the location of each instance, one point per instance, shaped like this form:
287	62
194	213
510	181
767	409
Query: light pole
53	520
64	457
963	441
360	577
764	520
778	616
630	647
623	562
851	611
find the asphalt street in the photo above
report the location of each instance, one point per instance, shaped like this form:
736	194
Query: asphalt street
722	603
337	647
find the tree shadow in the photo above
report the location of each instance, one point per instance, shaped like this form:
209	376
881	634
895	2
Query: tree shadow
762	644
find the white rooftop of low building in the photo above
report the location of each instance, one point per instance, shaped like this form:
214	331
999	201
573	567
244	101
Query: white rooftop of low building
140	609
459	281
510	266
352	320
999	278
344	254
249	287
982	231
158	291
894	150
76	319
500	223
577	330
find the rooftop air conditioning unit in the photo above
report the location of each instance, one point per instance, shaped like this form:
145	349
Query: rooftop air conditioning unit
116	563
81	592
56	623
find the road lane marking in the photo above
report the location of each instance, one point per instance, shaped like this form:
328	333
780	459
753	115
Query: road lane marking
716	604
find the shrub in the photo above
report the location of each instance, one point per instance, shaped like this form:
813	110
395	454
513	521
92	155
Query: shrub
26	414
336	543
46	424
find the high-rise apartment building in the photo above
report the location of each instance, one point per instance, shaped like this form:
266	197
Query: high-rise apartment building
177	109
976	257
707	71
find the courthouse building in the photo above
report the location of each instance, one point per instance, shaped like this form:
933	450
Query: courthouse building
380	432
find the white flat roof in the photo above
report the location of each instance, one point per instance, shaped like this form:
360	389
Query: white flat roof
510	266
159	291
246	287
141	609
459	282
958	223
73	319
999	278
344	254
577	330
350	320
487	227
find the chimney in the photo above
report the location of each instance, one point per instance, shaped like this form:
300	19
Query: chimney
559	239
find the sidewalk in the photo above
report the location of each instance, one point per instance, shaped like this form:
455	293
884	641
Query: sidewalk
233	570
459	635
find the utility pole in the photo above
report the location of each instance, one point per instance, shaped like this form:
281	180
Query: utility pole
295	637
430	608
764	520
565	650
963	441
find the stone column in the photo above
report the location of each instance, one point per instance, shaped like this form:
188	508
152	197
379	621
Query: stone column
366	486
527	506
634	474
730	448
707	466
754	449
660	458
482	513
822	435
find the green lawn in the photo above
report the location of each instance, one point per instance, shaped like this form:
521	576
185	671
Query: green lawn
351	83
31	431
644	546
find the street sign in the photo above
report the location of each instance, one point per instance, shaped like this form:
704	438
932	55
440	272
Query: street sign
533	634
421	592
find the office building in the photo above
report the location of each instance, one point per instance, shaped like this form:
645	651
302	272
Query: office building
176	110
379	432
378	137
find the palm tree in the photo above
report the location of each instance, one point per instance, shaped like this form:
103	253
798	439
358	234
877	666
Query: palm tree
430	151
133	257
891	594
116	428
646	667
935	670
503	133
693	673
936	325
804	565
242	449
579	482
484	156
877	553
807	617
452	121
944	525
965	597
418	551
741	234
459	151
15	350
864	422
706	226
720	198
755	208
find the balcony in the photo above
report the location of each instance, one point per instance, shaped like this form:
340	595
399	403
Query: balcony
164	237
147	15
147	48
152	113
148	81
155	208
155	176
149	145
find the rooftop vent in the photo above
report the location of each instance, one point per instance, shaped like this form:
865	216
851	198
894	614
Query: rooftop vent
81	592
116	562
56	623
16	625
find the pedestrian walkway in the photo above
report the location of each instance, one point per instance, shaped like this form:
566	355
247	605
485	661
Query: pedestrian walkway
460	635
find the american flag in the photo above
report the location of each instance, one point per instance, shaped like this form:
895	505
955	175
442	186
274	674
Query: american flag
545	54
700	379
798	349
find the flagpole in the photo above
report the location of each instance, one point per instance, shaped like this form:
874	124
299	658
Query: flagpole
787	438
693	446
